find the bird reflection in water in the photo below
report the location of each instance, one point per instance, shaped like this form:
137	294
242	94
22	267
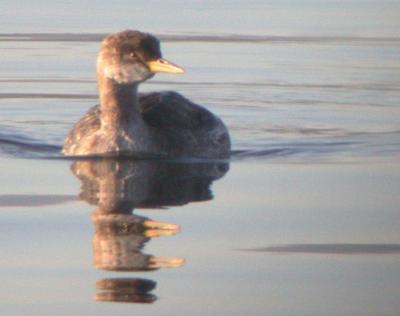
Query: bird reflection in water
117	187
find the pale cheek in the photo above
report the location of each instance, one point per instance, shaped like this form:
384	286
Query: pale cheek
114	73
109	72
126	74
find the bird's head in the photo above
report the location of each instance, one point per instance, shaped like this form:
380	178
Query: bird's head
131	56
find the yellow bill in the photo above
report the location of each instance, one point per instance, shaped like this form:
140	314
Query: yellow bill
165	262
163	65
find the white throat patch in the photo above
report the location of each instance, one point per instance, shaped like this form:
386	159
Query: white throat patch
123	73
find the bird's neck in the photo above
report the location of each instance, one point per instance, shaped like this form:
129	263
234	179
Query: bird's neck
119	104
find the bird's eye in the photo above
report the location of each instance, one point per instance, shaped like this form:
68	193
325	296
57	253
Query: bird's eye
132	55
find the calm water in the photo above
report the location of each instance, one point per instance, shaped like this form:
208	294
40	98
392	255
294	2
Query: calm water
303	220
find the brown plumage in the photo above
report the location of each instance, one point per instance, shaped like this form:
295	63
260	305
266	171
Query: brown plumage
125	123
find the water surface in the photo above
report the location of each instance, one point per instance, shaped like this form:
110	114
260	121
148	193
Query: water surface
303	220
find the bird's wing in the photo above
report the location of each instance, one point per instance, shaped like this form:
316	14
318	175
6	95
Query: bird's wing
165	110
87	125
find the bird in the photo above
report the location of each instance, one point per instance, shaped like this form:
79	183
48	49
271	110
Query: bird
162	124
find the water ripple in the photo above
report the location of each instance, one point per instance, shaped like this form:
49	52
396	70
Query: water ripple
25	147
230	38
340	249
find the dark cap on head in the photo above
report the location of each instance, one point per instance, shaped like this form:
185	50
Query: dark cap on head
144	45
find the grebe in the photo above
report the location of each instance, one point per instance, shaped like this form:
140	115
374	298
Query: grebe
160	123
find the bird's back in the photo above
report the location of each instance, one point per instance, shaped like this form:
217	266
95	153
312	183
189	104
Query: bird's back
183	127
